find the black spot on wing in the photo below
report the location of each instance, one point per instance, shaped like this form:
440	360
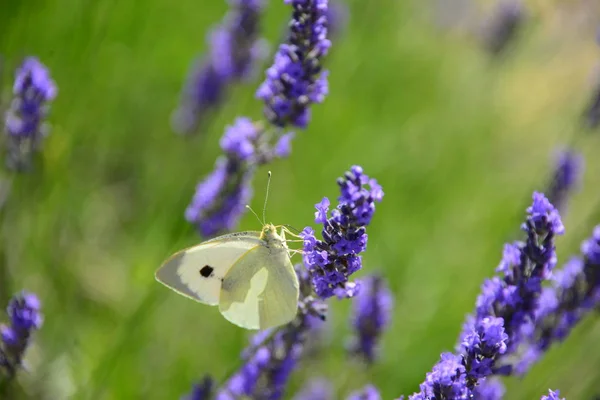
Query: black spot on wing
206	271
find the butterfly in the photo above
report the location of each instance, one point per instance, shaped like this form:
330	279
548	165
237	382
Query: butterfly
249	275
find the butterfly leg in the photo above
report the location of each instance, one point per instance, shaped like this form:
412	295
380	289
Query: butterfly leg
294	252
285	229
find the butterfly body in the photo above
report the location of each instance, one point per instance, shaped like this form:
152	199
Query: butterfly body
249	275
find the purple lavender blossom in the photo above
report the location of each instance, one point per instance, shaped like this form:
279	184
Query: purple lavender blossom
504	309
503	26
296	79
456	376
317	389
445	381
274	353
332	260
235	48
33	89
575	293
566	177
524	266
201	391
372	313
221	197
25	317
491	389
553	395
369	392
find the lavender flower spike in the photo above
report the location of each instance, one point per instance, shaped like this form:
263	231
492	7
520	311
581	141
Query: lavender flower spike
332	260
574	294
221	197
296	79
235	47
33	89
504	310
566	177
25	317
553	395
372	312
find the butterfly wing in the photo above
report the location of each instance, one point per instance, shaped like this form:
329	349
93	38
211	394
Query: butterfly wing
197	272
261	290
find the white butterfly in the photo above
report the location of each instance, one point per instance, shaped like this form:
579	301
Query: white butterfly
248	274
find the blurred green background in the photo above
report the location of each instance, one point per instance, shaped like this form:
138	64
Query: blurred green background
457	139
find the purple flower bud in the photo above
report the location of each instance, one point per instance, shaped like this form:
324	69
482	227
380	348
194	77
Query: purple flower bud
445	381
332	260
489	389
220	199
24	121
371	315
295	80
566	177
575	292
234	49
25	317
504	313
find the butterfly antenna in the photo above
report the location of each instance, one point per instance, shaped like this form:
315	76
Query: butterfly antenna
255	214
266	198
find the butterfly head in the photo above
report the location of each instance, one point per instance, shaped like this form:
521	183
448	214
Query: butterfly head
269	234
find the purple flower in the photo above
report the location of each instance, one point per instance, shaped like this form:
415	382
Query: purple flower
372	313
296	79
332	260
33	89
505	311
503	26
482	344
514	298
567	174
447	380
574	293
275	353
489	389
235	47
201	391
25	317
369	392
552	395
220	199
317	389
523	265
